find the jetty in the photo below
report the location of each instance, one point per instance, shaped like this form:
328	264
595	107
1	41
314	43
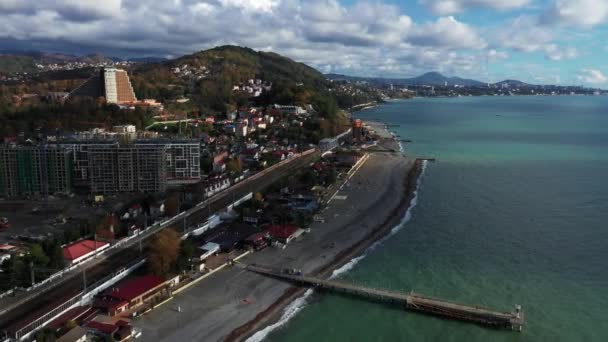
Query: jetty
411	301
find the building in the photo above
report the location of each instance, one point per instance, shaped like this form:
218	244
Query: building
290	110
80	157
83	250
76	334
132	294
111	83
182	159
285	233
135	168
35	170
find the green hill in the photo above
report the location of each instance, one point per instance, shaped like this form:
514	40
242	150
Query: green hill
10	64
207	78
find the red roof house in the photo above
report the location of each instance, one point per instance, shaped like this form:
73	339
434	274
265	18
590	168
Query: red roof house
284	233
129	294
81	250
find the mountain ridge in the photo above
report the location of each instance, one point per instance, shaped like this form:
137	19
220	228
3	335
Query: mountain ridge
432	78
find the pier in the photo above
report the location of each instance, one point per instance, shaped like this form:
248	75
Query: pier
410	301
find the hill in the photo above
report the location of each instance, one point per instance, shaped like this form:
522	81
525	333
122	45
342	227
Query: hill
511	84
429	78
16	64
209	77
12	62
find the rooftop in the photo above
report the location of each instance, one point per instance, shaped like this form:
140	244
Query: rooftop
283	231
81	248
134	288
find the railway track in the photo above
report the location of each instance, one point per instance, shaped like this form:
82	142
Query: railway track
41	303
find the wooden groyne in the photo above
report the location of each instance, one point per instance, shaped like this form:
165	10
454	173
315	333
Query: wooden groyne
411	301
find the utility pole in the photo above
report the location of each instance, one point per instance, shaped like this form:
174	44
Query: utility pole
84	279
32	273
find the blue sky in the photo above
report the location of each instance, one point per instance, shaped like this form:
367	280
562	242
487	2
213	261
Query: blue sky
538	41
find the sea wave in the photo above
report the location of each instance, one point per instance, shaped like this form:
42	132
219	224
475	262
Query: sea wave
297	305
290	311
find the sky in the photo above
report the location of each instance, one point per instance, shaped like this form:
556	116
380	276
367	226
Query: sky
538	41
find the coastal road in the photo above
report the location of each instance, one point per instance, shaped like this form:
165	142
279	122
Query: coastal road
211	310
40	302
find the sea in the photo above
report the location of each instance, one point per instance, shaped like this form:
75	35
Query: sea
513	212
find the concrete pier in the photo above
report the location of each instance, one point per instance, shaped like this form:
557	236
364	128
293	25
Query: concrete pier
411	301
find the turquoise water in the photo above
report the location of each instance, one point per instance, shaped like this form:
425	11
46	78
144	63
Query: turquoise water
515	211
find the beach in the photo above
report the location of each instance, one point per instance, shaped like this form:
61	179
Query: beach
233	304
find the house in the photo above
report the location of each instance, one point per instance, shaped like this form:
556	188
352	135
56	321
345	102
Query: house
118	331
132	294
250	154
157	209
208	249
285	233
303	203
82	250
219	167
76	334
233	236
257	241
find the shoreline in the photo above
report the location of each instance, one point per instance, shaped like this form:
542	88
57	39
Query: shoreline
236	304
273	313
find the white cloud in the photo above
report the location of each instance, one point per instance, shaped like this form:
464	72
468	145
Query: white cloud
447	32
252	5
585	13
557	53
592	76
367	37
67	9
445	7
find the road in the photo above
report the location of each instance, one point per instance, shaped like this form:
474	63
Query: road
45	299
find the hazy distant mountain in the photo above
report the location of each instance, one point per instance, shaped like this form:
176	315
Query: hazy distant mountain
511	83
25	61
148	59
435	78
430	78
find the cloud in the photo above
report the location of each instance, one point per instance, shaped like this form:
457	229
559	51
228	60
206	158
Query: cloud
555	53
447	32
445	7
592	76
69	10
582	13
364	37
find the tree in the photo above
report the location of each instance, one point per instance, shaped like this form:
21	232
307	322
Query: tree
186	252
38	256
172	205
234	165
53	249
163	252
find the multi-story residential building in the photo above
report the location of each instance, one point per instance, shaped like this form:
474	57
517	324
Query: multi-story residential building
182	159
34	170
80	157
133	168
